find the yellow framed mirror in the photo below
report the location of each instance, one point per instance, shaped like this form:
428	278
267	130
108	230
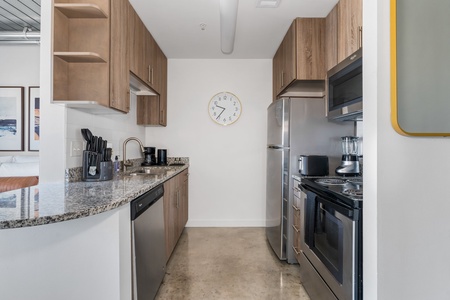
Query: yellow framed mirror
420	67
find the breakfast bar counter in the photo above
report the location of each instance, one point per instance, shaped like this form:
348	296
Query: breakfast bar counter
56	202
83	248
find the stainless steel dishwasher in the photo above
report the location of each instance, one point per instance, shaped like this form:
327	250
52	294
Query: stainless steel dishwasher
148	243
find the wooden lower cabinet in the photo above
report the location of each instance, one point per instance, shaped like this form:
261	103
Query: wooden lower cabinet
296	221
176	194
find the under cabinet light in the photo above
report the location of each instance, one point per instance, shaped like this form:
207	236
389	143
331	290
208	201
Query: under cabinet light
228	18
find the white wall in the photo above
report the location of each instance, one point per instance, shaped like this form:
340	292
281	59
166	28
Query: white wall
20	67
227	171
86	258
406	202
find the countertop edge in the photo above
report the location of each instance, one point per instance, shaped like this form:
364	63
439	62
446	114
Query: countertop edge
44	220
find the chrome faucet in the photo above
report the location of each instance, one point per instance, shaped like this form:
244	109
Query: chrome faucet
127	162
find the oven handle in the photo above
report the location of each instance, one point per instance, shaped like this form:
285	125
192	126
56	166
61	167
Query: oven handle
348	212
344	211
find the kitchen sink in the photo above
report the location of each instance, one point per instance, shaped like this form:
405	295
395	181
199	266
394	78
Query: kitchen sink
148	171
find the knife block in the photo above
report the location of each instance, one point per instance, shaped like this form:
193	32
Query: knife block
94	169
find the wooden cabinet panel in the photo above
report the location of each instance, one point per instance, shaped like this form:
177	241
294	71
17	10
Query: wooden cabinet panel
152	110
296	207
310	49
148	108
349	28
331	37
149	64
176	194
162	66
90	60
183	192
169	216
276	69
289	56
301	54
119	67
136	30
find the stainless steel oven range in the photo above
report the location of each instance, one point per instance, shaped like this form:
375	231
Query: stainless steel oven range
330	253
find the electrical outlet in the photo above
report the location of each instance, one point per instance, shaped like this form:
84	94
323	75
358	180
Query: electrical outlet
76	148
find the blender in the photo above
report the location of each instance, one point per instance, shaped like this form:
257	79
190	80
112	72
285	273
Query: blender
350	160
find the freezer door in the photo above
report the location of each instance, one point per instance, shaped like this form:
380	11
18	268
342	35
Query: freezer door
277	182
278	123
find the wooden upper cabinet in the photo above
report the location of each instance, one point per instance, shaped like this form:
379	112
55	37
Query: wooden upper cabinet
152	75
311	49
119	77
149	64
88	61
349	28
331	37
162	62
136	30
301	54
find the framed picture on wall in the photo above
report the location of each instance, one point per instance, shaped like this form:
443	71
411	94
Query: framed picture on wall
11	118
34	118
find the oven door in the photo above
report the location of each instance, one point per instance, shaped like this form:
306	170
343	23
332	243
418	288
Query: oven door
330	238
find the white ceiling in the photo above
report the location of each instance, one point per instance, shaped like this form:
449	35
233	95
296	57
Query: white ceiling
175	25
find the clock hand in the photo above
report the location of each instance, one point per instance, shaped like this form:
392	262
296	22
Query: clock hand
220	114
220	107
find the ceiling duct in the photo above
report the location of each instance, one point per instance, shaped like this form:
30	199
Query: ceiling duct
228	18
20	21
17	37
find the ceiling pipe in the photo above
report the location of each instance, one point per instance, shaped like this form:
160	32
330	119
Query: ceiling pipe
17	37
228	18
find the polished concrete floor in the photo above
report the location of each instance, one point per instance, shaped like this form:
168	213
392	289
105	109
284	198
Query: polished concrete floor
228	263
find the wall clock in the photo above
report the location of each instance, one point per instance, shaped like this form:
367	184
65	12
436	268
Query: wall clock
225	108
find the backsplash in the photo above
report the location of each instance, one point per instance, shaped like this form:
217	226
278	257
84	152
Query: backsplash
74	174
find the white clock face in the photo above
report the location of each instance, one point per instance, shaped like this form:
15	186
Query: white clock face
225	108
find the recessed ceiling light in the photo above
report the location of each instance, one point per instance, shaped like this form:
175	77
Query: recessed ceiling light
267	3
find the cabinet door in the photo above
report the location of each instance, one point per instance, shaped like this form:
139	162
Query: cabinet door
310	49
162	63
136	30
276	76
349	27
150	59
170	214
152	110
289	57
331	37
119	66
183	201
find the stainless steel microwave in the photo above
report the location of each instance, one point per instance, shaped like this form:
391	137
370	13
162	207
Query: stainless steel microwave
344	85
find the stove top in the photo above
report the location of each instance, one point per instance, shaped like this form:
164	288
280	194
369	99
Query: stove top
348	189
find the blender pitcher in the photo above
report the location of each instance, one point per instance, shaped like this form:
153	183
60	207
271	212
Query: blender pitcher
350	161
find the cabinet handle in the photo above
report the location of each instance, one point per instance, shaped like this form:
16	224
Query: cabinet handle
152	77
359	37
295	228
282	79
295	250
178	199
295	207
150	74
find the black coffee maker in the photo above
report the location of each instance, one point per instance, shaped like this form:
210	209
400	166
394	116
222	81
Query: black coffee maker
149	156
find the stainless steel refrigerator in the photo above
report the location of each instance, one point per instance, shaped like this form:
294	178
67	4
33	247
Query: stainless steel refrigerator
295	126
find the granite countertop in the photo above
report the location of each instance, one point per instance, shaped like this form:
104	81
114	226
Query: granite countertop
56	202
